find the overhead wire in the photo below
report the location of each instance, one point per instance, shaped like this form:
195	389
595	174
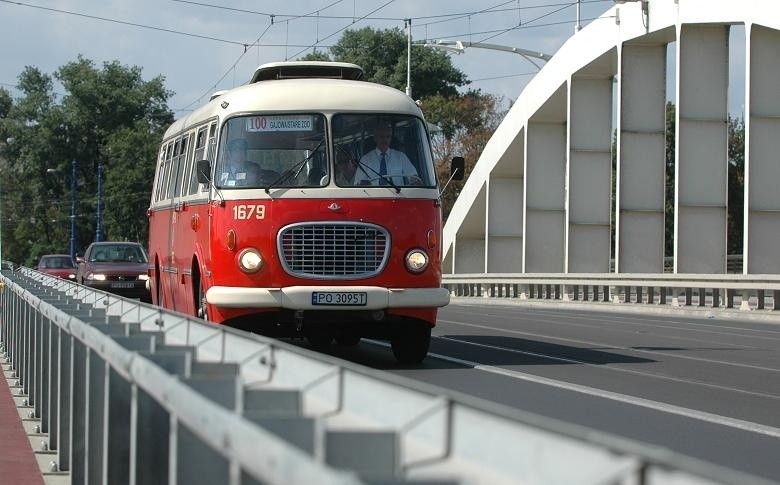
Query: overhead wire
571	4
124	22
246	48
318	13
344	28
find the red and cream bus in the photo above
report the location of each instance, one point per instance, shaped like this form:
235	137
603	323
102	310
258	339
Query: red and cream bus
268	212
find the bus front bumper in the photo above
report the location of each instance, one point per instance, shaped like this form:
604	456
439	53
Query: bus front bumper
301	297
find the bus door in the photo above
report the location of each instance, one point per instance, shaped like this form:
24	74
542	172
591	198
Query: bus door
174	280
190	228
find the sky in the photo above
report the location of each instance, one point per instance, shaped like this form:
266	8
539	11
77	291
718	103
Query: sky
199	46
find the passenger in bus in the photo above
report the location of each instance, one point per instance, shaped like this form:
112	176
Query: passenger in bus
345	169
234	169
384	164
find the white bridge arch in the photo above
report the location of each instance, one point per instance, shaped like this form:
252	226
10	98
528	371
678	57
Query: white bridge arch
539	199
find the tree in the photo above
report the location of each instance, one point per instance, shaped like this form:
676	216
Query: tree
110	116
383	56
465	124
736	181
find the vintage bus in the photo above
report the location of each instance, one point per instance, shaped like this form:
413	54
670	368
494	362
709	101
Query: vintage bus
267	213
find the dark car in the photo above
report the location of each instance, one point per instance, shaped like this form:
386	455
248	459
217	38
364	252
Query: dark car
60	265
117	267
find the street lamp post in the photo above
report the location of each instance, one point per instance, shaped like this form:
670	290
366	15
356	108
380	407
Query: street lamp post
73	210
459	47
99	225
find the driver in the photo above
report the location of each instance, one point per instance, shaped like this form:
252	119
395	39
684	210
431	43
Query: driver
384	164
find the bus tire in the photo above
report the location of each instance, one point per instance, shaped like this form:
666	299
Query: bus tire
347	339
158	286
410	345
319	340
201	307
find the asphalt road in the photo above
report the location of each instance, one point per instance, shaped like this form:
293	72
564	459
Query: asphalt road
706	388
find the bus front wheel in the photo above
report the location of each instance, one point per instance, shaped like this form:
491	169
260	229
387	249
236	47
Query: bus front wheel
410	345
200	302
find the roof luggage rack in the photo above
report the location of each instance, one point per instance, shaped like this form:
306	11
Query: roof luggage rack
307	69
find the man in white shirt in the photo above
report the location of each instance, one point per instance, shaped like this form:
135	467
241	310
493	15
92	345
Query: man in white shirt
384	164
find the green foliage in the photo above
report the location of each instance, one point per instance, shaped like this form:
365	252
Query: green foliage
736	181
383	56
108	115
466	123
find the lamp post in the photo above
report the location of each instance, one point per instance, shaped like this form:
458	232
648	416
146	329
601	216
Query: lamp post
73	166
99	225
73	210
458	47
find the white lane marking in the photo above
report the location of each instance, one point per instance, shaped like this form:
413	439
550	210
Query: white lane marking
636	401
614	369
630	319
612	347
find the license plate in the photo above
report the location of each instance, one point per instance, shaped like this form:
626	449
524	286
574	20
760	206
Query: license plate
349	298
122	284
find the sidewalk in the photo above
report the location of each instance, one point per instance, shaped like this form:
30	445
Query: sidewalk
17	460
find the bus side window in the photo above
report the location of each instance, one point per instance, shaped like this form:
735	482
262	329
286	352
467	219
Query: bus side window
212	147
160	178
200	150
174	168
181	167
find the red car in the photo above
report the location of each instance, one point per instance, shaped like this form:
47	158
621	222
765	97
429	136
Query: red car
60	265
116	267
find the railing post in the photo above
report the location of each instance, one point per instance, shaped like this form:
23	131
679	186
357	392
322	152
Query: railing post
760	294
744	305
525	291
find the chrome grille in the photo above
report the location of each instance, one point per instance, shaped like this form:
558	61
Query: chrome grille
333	250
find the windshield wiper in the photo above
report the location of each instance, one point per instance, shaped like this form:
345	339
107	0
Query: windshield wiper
295	170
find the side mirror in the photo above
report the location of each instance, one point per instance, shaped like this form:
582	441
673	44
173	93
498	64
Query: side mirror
80	259
457	168
203	171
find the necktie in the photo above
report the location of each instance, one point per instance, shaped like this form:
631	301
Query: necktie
383	168
383	164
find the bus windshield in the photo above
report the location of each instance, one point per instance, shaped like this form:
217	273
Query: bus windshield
377	149
279	150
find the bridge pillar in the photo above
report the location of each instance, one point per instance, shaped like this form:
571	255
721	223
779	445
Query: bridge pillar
762	144
641	176
702	143
589	174
545	176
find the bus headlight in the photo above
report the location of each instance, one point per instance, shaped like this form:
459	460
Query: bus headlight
250	260
416	260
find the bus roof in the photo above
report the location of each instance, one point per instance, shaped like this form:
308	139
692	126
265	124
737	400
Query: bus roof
303	96
307	69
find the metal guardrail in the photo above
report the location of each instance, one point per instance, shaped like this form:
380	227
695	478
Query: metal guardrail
750	292
129	393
